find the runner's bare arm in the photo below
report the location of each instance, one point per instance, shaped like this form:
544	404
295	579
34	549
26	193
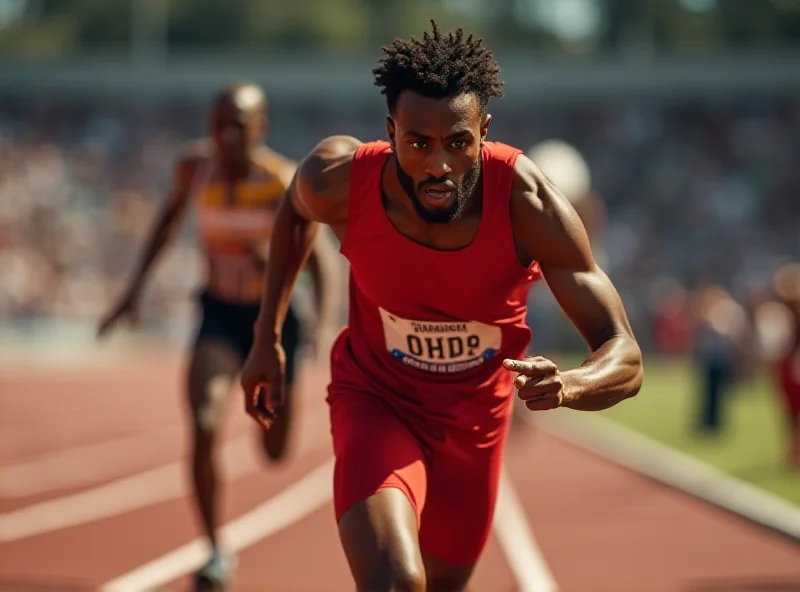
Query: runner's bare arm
322	264
170	216
324	269
548	230
318	194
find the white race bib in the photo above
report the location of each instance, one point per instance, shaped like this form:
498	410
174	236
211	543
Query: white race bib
440	347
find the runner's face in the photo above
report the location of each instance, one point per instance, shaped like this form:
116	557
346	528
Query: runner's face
235	131
437	143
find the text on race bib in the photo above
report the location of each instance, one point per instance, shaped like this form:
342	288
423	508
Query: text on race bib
440	347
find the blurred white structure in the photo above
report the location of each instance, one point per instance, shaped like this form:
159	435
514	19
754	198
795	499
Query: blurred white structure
564	166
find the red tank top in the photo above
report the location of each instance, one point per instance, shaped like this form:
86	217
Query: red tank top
789	365
428	329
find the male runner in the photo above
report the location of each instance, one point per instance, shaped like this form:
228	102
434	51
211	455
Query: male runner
236	183
444	232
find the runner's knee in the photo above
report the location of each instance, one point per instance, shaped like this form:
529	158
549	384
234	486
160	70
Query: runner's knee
379	536
211	375
444	577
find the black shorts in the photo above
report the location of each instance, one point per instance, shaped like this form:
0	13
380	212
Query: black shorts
233	323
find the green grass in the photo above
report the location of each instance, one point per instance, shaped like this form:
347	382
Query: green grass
752	444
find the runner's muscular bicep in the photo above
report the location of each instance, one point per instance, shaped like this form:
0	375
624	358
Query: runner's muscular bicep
548	229
300	202
590	301
321	188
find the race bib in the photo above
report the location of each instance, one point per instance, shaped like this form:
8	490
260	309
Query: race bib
440	347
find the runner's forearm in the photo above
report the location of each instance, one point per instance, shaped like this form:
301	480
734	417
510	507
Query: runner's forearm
324	269
290	245
611	374
160	236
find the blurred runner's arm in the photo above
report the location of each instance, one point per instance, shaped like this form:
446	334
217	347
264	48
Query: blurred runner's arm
324	269
162	233
167	223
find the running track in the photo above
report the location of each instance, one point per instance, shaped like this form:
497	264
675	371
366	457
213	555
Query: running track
92	488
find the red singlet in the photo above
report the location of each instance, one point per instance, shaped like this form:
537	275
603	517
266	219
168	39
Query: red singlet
789	370
419	398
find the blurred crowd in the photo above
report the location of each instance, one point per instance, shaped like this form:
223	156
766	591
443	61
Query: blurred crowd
79	188
689	196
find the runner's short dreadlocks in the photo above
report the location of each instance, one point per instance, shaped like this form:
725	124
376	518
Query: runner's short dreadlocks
438	66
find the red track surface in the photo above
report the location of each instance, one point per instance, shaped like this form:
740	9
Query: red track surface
600	527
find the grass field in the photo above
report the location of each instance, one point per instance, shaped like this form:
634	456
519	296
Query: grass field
751	447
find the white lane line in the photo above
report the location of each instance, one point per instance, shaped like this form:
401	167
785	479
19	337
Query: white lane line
291	505
238	458
81	466
642	454
518	543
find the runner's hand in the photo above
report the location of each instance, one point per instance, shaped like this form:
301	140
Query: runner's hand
538	381
127	308
263	380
